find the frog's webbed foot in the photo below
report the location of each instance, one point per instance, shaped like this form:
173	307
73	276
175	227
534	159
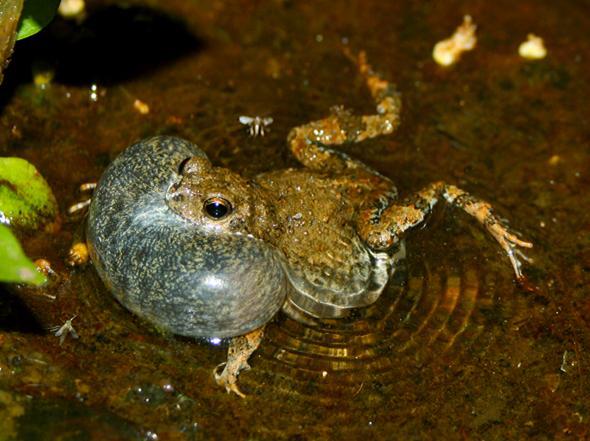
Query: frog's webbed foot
240	350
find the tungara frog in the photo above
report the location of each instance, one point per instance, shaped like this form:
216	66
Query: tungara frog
204	252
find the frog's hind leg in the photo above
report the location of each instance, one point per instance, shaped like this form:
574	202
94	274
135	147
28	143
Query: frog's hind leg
382	227
308	142
240	350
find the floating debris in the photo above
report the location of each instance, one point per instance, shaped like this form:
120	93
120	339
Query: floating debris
257	125
71	9
63	330
447	52
44	267
42	77
78	254
141	107
533	48
554	160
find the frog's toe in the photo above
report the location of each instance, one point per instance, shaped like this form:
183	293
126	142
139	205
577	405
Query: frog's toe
510	243
228	379
515	255
514	240
523	256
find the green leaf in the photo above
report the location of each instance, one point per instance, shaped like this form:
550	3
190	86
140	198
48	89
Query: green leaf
35	16
14	265
26	200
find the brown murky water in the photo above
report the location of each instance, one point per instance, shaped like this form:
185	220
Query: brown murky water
454	349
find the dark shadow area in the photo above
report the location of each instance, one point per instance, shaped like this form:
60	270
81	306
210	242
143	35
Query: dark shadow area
114	44
68	420
15	316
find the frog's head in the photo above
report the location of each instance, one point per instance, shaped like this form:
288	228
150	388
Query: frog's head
219	200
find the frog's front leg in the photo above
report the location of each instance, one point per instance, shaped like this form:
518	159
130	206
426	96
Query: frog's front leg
80	206
382	226
309	142
240	350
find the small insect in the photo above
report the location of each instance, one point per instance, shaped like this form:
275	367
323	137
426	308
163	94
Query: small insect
63	330
256	125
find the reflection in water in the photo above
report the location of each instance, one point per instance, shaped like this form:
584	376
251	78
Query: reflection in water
423	315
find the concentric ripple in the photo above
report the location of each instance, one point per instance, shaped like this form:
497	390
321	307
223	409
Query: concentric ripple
424	314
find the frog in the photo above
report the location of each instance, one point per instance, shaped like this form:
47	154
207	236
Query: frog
206	252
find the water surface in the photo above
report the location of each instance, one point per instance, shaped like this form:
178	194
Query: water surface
454	349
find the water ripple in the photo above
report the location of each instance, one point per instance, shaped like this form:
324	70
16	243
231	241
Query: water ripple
425	314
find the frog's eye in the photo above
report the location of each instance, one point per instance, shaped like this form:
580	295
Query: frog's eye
217	208
182	165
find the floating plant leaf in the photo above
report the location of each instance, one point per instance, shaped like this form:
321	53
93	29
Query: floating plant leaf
25	197
14	265
35	16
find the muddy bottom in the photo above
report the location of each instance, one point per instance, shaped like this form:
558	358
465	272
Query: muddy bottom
453	349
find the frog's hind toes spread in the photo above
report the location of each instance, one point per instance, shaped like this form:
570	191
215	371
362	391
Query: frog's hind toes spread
516	255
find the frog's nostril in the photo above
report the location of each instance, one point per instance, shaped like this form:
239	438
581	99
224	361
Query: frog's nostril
174	194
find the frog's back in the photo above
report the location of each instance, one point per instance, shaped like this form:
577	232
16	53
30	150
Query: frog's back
329	267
